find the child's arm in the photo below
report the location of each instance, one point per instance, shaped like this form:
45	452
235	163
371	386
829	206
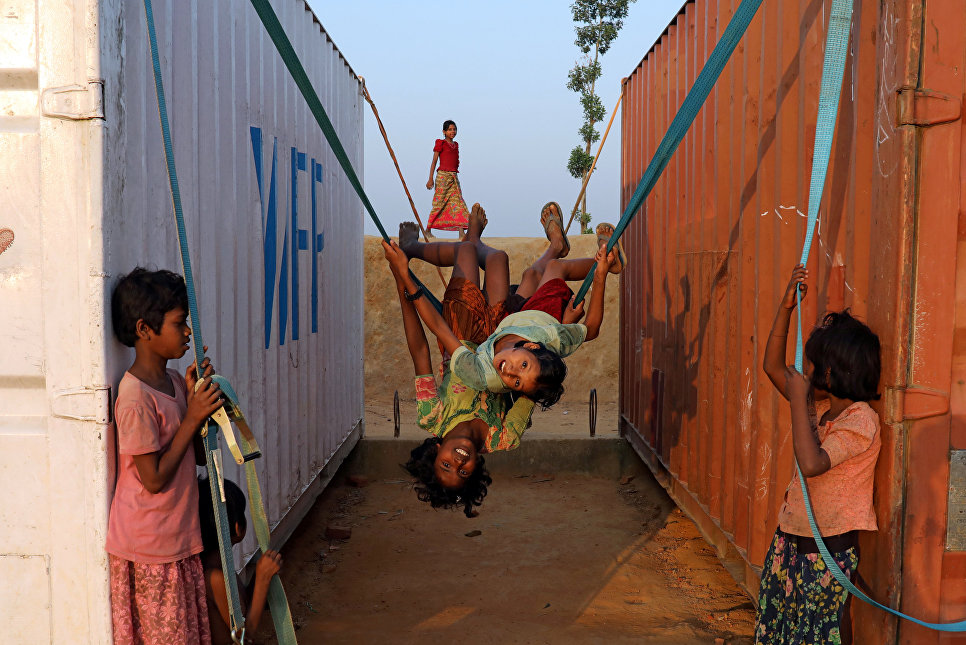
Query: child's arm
415	336
432	170
399	264
267	566
157	468
811	457
775	351
190	378
595	311
517	418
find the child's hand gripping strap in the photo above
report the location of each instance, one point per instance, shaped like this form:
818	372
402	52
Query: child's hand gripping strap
245	454
231	412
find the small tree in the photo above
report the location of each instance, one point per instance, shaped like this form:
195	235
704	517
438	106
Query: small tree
597	24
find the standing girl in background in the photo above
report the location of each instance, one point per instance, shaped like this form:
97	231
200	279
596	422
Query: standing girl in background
449	212
836	439
154	534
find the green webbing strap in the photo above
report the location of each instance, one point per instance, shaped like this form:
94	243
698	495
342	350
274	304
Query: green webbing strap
836	48
277	603
682	122
284	47
277	600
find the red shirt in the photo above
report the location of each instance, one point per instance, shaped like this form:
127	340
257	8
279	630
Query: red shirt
449	155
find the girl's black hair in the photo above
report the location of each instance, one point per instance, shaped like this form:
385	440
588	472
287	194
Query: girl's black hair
147	295
844	354
448	123
428	489
234	505
553	371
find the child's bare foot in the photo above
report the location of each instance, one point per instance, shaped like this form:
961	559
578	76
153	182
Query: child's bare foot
408	235
477	222
604	233
552	222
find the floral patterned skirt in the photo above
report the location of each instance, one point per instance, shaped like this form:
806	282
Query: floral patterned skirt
449	212
800	603
159	604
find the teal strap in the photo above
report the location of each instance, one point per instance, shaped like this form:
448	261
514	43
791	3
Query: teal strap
681	123
284	47
836	48
276	598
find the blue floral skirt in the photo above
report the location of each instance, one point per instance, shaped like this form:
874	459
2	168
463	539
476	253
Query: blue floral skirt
799	602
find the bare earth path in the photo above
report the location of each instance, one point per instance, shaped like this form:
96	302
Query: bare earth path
550	559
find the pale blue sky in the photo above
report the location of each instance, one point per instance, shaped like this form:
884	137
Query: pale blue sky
499	69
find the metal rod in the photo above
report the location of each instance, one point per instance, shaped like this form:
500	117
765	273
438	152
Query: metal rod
592	407
395	414
583	187
385	137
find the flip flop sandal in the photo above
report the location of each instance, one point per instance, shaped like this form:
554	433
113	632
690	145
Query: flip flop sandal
548	217
604	233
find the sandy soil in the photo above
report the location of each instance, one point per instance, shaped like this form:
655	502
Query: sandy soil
550	559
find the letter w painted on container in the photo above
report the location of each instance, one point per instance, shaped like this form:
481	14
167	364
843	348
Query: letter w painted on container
300	240
269	213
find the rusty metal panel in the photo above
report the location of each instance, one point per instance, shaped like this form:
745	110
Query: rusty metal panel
715	241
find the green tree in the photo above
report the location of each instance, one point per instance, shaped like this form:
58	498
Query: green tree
597	24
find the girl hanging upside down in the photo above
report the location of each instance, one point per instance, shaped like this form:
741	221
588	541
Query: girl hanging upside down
465	421
522	350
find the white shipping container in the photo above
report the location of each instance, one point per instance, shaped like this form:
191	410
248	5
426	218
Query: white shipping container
276	238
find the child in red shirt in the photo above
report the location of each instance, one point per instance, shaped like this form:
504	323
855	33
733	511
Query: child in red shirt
449	212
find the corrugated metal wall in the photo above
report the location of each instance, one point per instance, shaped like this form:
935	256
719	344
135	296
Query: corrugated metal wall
714	245
274	227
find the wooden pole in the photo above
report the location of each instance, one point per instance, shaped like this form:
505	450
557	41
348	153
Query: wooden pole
385	137
583	187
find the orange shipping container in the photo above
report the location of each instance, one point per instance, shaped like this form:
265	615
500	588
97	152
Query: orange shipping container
712	249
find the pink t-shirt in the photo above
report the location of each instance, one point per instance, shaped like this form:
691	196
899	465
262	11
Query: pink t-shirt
842	496
152	528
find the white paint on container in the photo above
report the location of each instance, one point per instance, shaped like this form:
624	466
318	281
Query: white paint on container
85	193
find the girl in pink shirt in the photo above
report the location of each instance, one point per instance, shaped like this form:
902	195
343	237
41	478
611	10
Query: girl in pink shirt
154	535
836	439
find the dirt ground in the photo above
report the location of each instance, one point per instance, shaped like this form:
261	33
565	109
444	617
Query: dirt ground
551	559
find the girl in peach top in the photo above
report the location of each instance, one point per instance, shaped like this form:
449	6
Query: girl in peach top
836	440
154	534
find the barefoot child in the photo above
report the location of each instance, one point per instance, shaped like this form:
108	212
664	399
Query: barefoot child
154	536
465	423
253	606
449	212
836	439
523	350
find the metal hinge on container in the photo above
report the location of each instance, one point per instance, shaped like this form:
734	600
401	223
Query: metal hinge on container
922	403
926	107
74	102
83	404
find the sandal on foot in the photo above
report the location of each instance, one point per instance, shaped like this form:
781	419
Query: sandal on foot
550	214
604	233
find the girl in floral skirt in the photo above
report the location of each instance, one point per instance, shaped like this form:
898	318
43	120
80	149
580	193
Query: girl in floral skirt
836	439
154	534
449	212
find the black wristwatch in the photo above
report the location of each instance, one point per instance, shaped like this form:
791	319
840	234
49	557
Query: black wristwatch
415	296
